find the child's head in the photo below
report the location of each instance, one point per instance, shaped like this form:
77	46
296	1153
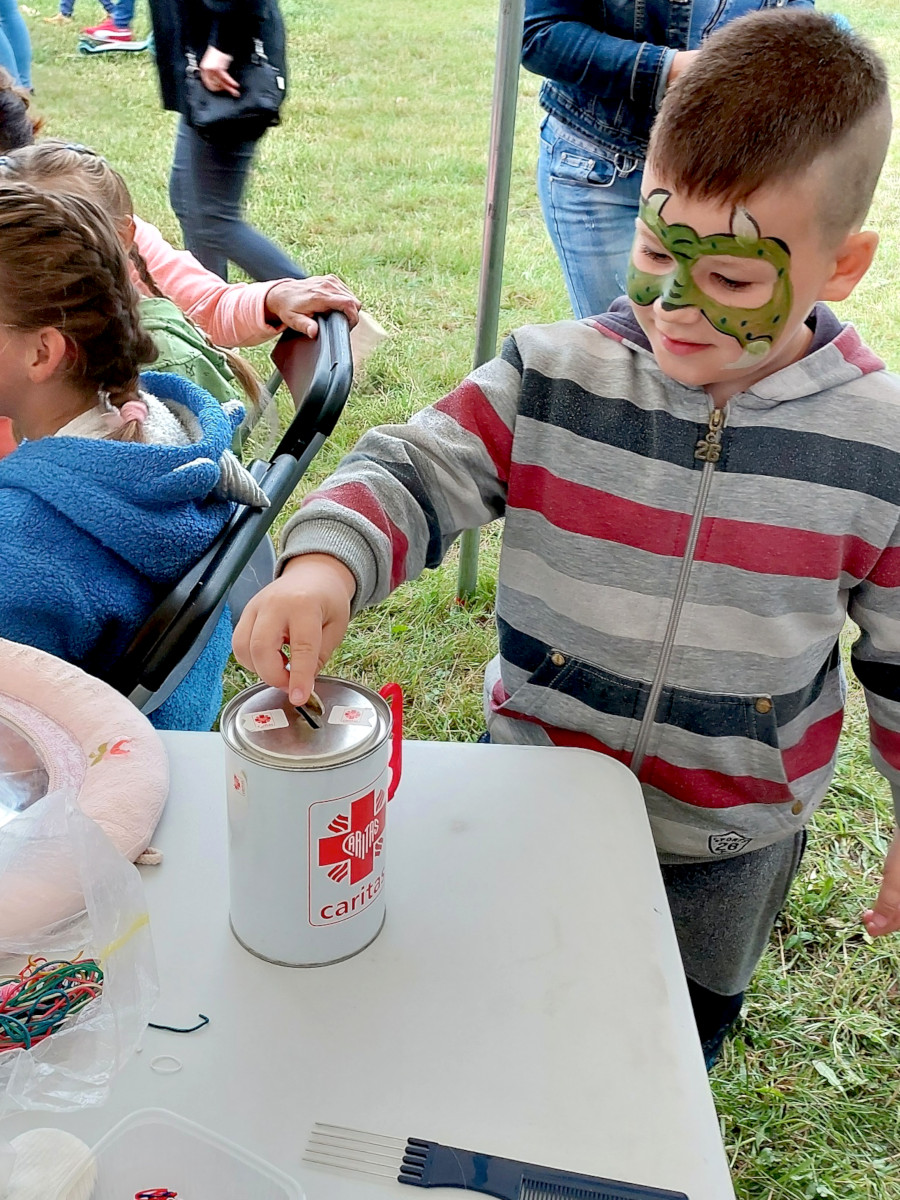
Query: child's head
69	326
18	126
55	165
761	169
77	170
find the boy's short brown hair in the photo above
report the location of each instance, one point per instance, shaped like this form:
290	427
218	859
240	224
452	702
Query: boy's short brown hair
769	95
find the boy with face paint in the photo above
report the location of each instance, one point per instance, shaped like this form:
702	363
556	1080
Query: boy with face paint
697	487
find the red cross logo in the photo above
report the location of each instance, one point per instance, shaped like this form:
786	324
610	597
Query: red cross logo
354	844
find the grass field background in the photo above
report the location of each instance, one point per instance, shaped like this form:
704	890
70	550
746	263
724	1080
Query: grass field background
377	173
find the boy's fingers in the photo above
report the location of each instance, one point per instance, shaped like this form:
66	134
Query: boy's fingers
257	643
306	645
884	916
240	639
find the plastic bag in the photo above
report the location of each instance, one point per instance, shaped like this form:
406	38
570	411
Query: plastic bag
52	847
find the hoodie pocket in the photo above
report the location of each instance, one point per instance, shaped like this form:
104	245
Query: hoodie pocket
716	750
568	693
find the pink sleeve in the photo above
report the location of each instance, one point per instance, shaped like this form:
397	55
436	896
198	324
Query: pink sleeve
7	441
230	314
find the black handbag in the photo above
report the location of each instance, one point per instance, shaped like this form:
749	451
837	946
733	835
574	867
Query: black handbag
216	115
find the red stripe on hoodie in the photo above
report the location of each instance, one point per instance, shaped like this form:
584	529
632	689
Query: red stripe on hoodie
471	409
358	498
695	786
886	742
815	749
763	549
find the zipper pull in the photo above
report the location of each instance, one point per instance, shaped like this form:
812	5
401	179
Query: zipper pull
709	448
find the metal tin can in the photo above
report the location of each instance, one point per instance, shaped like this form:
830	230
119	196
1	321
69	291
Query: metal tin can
307	814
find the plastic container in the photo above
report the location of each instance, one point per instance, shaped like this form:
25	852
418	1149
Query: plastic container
154	1148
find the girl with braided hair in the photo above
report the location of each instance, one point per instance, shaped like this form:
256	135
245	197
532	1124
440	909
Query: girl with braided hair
121	481
191	313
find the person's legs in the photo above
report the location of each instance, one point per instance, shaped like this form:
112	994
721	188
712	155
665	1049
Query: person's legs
723	912
7	58
220	173
182	197
589	205
15	55
123	13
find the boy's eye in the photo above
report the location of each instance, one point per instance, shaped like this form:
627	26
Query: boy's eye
657	256
732	285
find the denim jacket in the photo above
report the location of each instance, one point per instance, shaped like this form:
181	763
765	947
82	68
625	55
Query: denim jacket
606	62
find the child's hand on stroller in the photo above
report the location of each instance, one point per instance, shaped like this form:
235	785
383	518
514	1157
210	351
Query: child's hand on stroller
306	608
885	916
293	302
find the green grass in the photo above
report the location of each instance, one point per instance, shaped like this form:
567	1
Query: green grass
377	173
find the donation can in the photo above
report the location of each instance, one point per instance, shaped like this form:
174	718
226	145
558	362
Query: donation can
307	813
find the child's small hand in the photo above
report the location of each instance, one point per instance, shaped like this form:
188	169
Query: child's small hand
885	916
292	302
306	608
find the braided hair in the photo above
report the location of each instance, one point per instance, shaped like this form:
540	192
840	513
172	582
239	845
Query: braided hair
63	266
58	165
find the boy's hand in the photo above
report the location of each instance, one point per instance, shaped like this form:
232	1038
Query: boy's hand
292	301
307	608
885	916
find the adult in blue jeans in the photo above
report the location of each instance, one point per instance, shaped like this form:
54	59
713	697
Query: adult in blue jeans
209	176
606	67
15	44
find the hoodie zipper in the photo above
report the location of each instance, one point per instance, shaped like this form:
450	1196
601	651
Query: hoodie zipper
708	451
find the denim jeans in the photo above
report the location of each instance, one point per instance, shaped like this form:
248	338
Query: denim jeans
206	191
15	44
122	13
589	201
67	7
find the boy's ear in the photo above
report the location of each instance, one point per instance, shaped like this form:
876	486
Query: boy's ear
853	259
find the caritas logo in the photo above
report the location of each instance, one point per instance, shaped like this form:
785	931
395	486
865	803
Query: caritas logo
343	879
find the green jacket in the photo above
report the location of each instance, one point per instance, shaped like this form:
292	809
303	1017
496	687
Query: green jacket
184	351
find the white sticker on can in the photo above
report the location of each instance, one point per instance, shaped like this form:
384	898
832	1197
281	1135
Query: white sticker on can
360	714
269	718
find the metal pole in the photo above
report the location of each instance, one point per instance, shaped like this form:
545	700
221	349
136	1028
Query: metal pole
503	124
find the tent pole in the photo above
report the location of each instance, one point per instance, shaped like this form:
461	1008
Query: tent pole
503	124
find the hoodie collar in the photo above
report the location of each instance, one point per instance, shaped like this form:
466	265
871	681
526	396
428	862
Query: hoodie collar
155	505
835	356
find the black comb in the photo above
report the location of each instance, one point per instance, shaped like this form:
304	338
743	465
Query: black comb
422	1163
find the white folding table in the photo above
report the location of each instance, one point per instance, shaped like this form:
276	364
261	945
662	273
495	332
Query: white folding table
525	997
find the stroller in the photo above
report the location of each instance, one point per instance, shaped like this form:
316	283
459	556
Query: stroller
318	374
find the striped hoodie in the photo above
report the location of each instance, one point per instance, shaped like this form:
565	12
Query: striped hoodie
673	579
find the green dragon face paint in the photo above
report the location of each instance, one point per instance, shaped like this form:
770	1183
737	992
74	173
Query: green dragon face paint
754	328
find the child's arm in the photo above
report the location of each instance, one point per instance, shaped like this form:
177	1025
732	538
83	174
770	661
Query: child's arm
393	507
875	607
238	314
